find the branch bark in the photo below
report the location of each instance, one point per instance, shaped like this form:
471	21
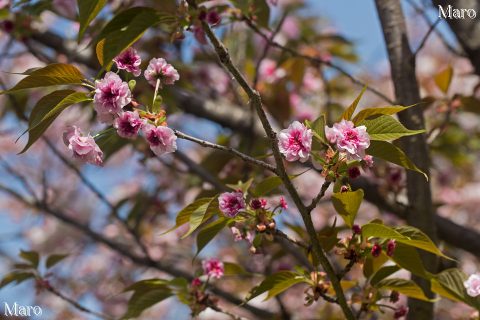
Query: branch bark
402	65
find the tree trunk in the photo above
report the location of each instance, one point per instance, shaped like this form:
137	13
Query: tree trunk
402	64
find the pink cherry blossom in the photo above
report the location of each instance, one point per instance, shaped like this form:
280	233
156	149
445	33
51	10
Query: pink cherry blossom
111	95
213	268
295	142
348	138
162	139
158	68
230	203
269	72
368	159
473	285
130	61
82	147
128	124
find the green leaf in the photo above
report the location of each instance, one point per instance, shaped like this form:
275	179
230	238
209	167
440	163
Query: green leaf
110	142
408	258
449	284
184	214
386	128
382	273
295	69
443	79
202	214
318	128
266	186
262	12
30	256
275	284
418	239
209	232
243	186
17	277
51	75
233	269
389	152
146	294
347	204
373	264
378	230
54	259
88	10
125	29
403	286
370	112
47	110
348	113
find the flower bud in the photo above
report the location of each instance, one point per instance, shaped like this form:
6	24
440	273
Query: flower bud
376	250
391	245
356	229
400	312
213	18
354	172
394	296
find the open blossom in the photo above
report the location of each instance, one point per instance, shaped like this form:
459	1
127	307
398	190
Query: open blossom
161	139
473	285
295	142
213	268
158	68
128	124
82	147
348	138
111	95
230	203
270	72
130	61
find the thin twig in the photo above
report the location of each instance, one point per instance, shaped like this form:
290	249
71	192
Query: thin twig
76	305
231	150
425	38
281	234
347	269
320	195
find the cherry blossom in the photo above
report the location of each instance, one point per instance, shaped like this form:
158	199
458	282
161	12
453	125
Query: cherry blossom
349	139
82	147
111	95
130	61
230	203
162	139
295	142
158	68
213	268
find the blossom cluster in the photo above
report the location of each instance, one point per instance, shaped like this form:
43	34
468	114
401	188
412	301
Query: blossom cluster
112	95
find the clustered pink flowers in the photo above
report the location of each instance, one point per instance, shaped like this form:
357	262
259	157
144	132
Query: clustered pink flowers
473	285
129	60
82	147
112	94
159	69
231	203
295	142
213	268
349	139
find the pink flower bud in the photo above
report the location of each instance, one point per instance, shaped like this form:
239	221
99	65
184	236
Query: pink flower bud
376	250
213	18
353	172
391	245
356	229
196	282
256	204
283	203
400	312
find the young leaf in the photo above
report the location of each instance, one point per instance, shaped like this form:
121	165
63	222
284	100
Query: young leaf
184	215
449	283
444	78
408	258
209	232
389	152
17	277
348	113
233	269
382	273
372	265
54	259
125	29
110	142
146	294
403	286
387	128
30	256
275	284
347	204
47	110
418	239
202	214
87	11
370	112
262	12
51	75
